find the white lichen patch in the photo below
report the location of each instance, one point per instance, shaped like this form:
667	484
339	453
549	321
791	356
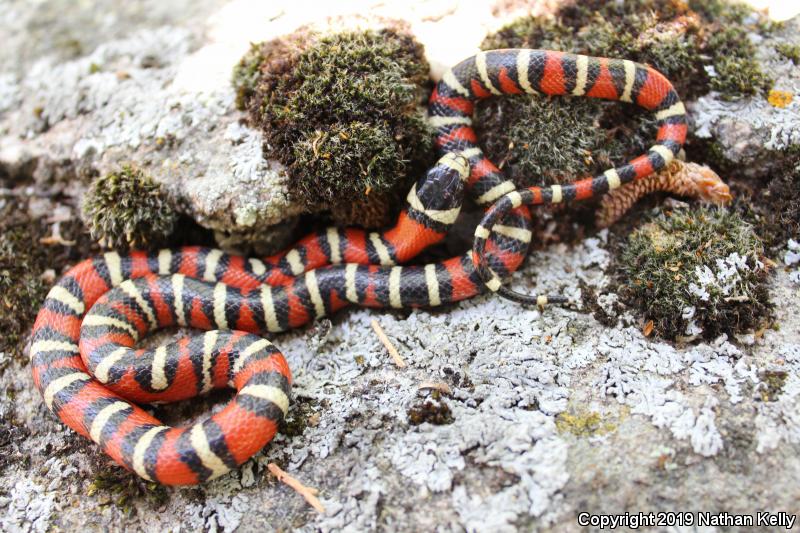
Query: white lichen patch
27	507
728	279
778	420
9	93
219	514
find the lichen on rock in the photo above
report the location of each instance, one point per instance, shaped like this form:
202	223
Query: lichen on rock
751	135
792	260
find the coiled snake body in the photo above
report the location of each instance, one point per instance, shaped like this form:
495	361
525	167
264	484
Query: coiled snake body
82	345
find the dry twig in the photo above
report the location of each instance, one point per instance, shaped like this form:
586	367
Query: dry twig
398	360
310	494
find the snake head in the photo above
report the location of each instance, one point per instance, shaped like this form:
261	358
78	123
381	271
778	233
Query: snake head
442	187
708	186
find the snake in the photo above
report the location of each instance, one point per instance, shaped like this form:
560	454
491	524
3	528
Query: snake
83	343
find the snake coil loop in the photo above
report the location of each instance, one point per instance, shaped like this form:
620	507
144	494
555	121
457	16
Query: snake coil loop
493	216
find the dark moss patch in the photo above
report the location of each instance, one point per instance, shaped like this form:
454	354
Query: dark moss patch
555	140
711	153
128	209
373	210
22	294
28	266
13	435
777	213
696	266
771	202
590	303
121	488
344	112
302	413
433	410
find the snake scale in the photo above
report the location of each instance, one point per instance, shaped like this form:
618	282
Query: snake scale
82	349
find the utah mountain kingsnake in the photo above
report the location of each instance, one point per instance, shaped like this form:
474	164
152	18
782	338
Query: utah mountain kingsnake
82	352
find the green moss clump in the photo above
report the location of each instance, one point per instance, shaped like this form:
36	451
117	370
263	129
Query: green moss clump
789	51
263	65
723	11
533	32
128	209
344	112
696	268
738	75
555	140
367	149
736	70
246	75
123	488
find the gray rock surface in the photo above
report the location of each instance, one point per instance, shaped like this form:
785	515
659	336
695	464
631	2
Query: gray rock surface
136	98
679	427
749	130
552	412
